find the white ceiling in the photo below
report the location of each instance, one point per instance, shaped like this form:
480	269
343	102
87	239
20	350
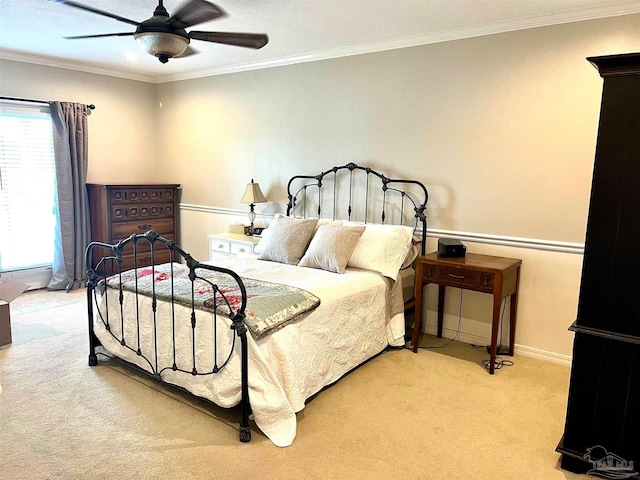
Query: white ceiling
299	30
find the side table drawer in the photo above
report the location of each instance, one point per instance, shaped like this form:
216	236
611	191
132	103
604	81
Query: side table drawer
220	246
241	248
470	279
457	277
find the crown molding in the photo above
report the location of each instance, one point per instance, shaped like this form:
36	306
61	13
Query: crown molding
612	9
73	65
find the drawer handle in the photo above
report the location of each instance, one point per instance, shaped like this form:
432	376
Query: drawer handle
461	277
144	227
220	246
144	259
242	250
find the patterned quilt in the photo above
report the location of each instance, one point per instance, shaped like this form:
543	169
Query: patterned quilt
270	306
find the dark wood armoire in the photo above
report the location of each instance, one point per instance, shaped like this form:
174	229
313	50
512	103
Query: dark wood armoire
602	430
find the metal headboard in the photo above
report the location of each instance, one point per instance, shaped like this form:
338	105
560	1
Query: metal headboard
371	197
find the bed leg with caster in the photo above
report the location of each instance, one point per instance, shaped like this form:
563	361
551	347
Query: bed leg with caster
245	434
93	340
245	406
93	360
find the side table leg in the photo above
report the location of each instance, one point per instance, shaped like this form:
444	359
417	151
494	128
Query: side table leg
495	322
512	315
417	310
441	290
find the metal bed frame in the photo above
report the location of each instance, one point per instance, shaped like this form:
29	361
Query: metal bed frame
111	264
329	185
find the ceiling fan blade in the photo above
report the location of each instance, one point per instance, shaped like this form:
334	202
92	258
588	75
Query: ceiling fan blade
194	12
99	12
249	40
124	34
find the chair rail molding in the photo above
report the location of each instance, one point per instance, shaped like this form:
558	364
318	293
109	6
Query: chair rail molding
517	242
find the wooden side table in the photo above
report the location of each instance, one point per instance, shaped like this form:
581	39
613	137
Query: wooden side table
498	276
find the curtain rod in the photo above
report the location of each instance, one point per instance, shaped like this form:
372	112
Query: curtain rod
90	106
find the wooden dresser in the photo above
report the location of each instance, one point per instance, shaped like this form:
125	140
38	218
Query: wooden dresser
119	210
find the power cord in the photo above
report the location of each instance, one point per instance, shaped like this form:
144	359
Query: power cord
498	364
499	361
455	337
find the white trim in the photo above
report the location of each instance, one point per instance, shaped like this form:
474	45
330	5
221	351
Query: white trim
551	357
38	277
73	65
611	9
463	337
517	242
220	210
544	355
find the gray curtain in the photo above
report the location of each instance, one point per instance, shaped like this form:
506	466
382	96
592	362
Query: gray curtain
73	229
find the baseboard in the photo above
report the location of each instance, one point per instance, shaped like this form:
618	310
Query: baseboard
36	277
525	351
552	357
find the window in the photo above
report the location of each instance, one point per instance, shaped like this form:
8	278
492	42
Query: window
27	187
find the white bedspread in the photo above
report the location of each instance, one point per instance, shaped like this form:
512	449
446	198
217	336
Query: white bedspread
353	323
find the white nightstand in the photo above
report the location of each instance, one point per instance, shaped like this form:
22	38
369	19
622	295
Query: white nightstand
223	245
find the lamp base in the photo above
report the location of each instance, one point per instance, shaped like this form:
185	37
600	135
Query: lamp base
254	232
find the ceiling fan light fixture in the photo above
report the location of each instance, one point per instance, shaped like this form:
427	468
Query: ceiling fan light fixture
162	44
165	37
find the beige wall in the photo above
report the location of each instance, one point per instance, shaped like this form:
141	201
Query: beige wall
122	128
500	128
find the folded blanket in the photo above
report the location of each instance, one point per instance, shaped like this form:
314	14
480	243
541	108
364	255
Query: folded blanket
270	306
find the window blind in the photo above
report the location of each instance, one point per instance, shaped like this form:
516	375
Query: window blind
27	186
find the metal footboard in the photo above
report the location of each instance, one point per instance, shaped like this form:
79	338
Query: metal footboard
110	266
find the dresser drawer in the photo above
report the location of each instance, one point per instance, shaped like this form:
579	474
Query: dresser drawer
122	230
132	212
142	195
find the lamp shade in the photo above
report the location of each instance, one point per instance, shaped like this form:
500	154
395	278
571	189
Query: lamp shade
253	194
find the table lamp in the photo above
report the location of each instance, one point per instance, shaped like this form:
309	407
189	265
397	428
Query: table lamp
252	195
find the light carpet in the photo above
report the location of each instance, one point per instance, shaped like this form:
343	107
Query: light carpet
433	415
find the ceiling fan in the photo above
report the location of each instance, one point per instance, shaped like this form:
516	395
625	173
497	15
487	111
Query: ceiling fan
165	36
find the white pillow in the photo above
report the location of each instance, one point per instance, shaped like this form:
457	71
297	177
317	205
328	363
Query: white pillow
414	251
331	247
265	233
382	248
286	239
326	221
